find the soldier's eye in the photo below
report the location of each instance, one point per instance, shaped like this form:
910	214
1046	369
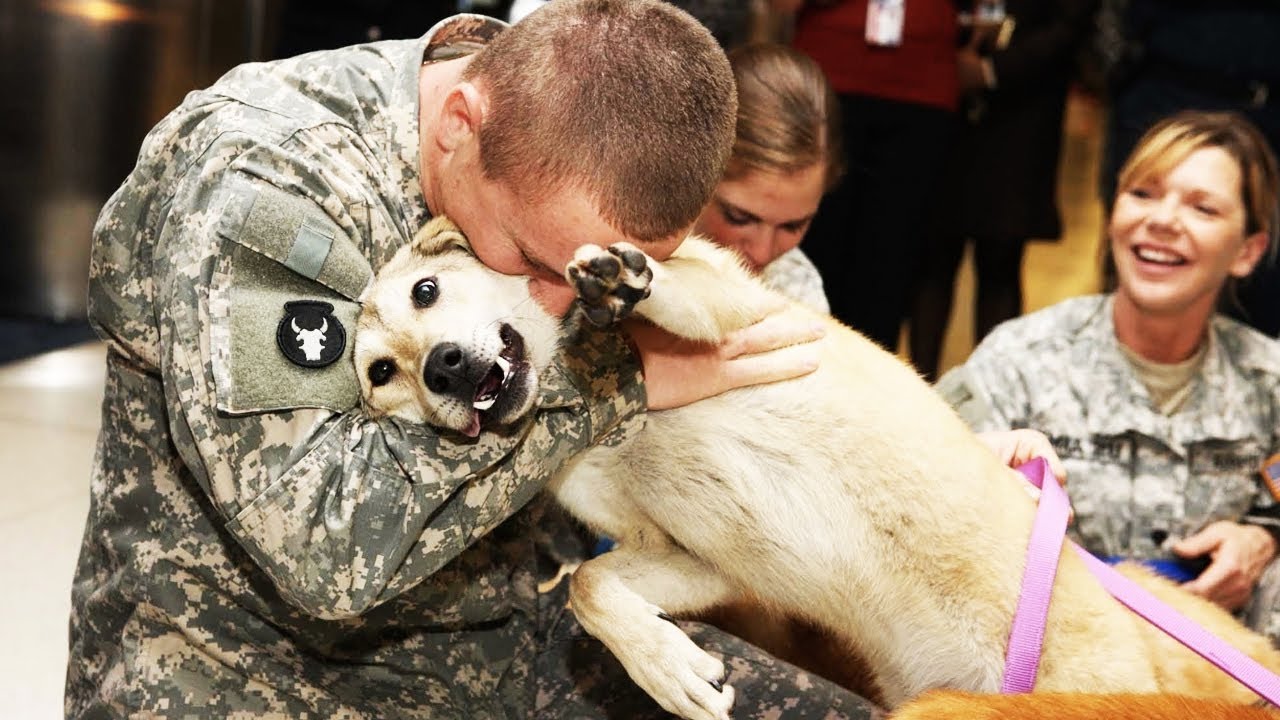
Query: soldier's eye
380	372
425	292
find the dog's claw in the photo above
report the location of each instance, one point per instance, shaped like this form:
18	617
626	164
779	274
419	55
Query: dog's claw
718	685
668	618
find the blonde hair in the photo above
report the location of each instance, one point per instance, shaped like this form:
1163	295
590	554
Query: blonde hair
630	100
788	115
1171	140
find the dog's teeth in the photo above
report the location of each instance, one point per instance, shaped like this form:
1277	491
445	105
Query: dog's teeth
504	365
484	404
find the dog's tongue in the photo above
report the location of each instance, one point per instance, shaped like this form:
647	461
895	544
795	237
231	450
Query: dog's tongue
473	428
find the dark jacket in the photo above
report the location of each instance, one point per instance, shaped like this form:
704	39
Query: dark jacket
1004	173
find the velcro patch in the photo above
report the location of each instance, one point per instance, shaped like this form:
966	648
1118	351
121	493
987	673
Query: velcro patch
1270	473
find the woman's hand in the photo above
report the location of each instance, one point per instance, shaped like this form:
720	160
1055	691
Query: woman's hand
677	372
1015	447
1240	553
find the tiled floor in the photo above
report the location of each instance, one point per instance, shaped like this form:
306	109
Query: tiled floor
49	409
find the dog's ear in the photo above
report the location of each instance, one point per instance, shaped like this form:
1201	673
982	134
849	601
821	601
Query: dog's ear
438	236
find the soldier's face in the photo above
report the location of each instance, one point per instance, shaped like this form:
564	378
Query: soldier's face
1176	238
538	239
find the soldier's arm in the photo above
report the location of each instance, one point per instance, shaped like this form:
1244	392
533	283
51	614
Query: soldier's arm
343	512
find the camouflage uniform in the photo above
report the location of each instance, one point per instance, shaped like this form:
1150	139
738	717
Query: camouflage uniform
1137	478
255	546
793	274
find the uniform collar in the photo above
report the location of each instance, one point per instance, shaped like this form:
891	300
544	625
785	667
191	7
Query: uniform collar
1215	408
450	38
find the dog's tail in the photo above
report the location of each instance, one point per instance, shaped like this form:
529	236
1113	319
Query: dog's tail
1074	706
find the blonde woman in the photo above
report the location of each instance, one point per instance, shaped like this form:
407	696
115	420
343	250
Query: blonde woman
1163	410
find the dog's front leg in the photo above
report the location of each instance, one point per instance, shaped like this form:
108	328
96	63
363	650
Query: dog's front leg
702	292
622	598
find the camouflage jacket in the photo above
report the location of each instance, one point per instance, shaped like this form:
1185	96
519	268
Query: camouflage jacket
1135	476
793	274
255	543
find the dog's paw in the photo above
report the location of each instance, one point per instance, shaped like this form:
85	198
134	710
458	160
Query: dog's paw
609	282
682	677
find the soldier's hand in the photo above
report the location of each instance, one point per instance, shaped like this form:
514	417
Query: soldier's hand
677	372
1239	555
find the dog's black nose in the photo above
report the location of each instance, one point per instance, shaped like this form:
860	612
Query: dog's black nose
446	369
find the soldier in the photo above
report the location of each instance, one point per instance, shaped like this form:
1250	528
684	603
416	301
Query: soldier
256	546
1162	410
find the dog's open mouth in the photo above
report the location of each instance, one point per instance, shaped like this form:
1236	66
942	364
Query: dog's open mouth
507	365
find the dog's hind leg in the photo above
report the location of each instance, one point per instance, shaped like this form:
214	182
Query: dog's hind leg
622	598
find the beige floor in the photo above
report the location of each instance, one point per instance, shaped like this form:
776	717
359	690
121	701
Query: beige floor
49	408
49	418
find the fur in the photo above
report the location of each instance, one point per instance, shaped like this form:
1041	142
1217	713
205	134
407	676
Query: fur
852	498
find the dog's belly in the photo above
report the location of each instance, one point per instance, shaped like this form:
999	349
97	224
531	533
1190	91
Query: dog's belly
802	503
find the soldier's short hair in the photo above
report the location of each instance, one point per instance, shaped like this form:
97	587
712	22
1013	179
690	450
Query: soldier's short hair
1170	141
630	100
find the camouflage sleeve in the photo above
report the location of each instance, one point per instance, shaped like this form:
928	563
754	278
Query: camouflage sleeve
793	274
984	399
342	511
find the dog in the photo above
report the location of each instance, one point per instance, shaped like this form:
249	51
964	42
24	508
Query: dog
852	497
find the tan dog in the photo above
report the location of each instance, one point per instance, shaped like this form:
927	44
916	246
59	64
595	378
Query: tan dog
852	497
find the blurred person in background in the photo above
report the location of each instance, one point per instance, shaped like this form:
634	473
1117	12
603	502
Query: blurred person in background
1001	190
893	67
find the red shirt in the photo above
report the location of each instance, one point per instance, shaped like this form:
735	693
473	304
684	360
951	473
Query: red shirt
920	70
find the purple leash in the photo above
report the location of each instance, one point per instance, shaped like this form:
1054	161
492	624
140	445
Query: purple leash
1022	659
1027	635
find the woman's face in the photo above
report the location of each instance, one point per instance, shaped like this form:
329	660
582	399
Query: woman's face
1178	237
763	214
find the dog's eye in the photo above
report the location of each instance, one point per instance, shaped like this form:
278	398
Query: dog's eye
380	372
425	292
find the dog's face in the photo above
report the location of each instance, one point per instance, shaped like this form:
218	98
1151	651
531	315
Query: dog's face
445	341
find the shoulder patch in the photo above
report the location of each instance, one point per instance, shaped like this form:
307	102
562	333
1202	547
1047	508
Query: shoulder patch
268	365
309	335
1270	473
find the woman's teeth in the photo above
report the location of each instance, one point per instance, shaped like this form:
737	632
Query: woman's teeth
1156	255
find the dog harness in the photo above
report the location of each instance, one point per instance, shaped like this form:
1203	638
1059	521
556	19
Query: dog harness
1022	659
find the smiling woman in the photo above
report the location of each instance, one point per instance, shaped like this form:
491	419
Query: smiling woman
1195	213
1163	410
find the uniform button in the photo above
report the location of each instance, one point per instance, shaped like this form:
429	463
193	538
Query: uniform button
1159	536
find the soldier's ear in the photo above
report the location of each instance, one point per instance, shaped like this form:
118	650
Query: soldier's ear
438	236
